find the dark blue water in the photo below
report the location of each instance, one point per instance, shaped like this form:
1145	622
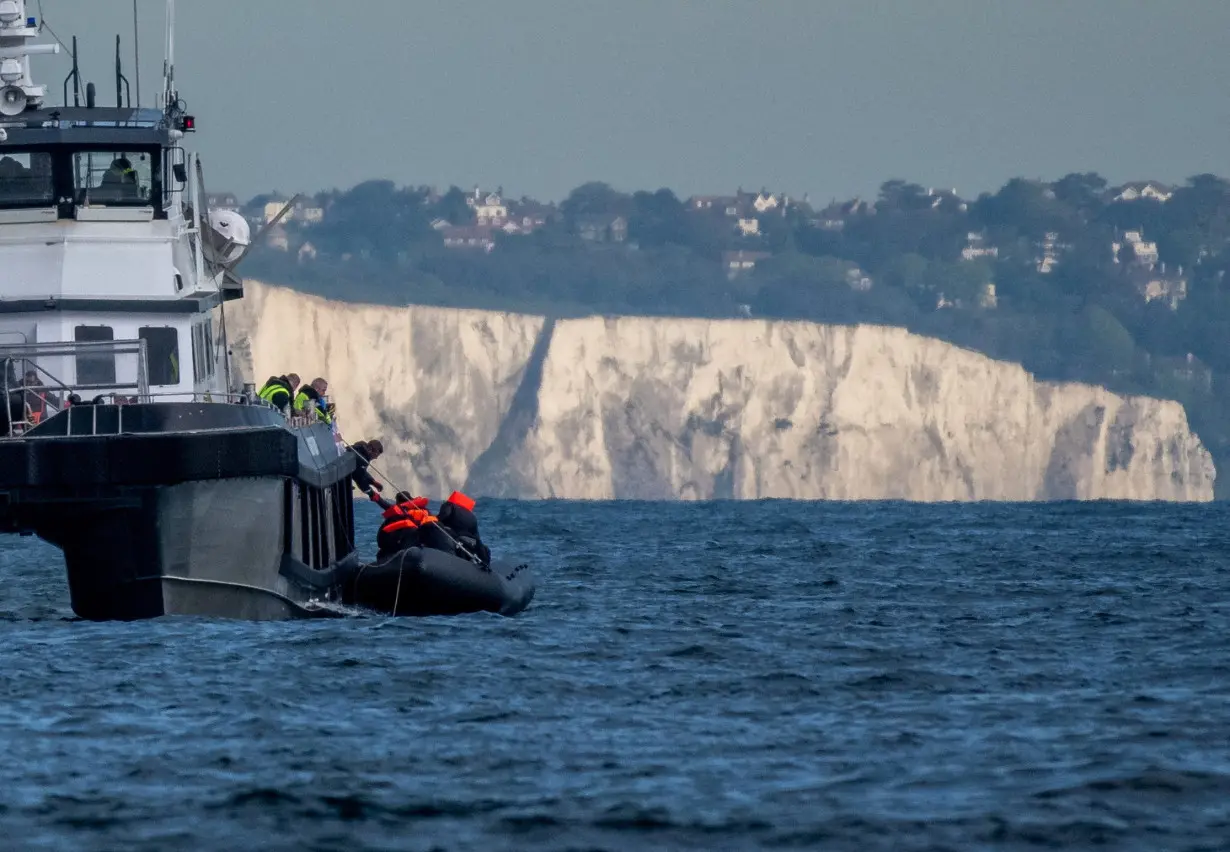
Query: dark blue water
720	676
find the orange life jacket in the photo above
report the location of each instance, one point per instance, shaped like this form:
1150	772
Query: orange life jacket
459	499
411	515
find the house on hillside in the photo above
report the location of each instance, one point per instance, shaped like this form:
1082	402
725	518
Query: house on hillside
531	214
307	212
738	262
1141	252
277	238
223	201
272	208
749	227
469	237
976	246
1049	251
727	205
603	229
859	281
947	199
1148	189
489	207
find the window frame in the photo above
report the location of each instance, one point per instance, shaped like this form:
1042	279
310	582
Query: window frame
154	361
29	203
92	361
154	176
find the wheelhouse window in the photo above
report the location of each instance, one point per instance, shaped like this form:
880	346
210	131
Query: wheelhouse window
162	349
203	350
25	179
96	368
113	178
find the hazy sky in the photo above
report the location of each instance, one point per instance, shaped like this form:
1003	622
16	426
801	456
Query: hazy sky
827	98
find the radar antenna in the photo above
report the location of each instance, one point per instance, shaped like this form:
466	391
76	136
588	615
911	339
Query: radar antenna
17	90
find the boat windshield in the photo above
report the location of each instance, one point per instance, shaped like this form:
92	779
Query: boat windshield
113	178
25	179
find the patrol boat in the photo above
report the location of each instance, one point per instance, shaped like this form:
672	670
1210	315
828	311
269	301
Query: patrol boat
122	440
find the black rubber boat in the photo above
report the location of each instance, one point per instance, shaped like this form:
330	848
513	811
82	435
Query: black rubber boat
421	581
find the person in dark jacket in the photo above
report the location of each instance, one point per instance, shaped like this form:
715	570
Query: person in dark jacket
459	521
366	452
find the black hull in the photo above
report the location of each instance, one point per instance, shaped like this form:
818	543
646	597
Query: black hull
207	509
422	582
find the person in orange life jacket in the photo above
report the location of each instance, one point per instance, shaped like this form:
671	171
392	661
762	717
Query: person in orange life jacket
458	519
404	519
366	452
38	397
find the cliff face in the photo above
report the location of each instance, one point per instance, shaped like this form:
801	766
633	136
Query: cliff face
633	407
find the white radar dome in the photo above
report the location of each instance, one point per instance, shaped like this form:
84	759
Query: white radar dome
232	236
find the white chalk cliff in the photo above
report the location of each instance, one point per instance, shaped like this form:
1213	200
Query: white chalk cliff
633	407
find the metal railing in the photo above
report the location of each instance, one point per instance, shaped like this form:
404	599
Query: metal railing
116	372
32	388
33	392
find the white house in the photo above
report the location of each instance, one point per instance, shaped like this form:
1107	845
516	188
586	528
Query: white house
1143	189
1144	251
489	208
976	247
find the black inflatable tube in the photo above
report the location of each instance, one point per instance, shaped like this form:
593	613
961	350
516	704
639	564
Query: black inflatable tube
421	582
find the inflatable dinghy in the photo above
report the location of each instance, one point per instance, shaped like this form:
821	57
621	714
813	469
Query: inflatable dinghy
422	581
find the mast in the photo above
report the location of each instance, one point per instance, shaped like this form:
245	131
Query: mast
136	49
17	90
169	93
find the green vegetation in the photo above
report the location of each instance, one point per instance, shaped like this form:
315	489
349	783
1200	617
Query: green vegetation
1072	279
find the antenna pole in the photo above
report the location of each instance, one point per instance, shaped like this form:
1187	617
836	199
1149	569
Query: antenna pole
168	65
136	49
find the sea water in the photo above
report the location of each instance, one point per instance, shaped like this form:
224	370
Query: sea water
689	676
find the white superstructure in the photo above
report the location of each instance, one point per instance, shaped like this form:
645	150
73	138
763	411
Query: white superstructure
105	236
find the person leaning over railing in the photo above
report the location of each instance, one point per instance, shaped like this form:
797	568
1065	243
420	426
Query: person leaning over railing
310	399
278	391
366	452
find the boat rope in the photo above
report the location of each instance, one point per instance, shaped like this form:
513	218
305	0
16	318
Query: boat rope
401	570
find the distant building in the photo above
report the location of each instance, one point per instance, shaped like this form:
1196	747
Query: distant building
307	211
738	262
727	205
272	208
277	238
1142	251
603	229
749	227
976	247
471	237
222	201
946	198
1150	190
764	202
858	280
489	208
1050	250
